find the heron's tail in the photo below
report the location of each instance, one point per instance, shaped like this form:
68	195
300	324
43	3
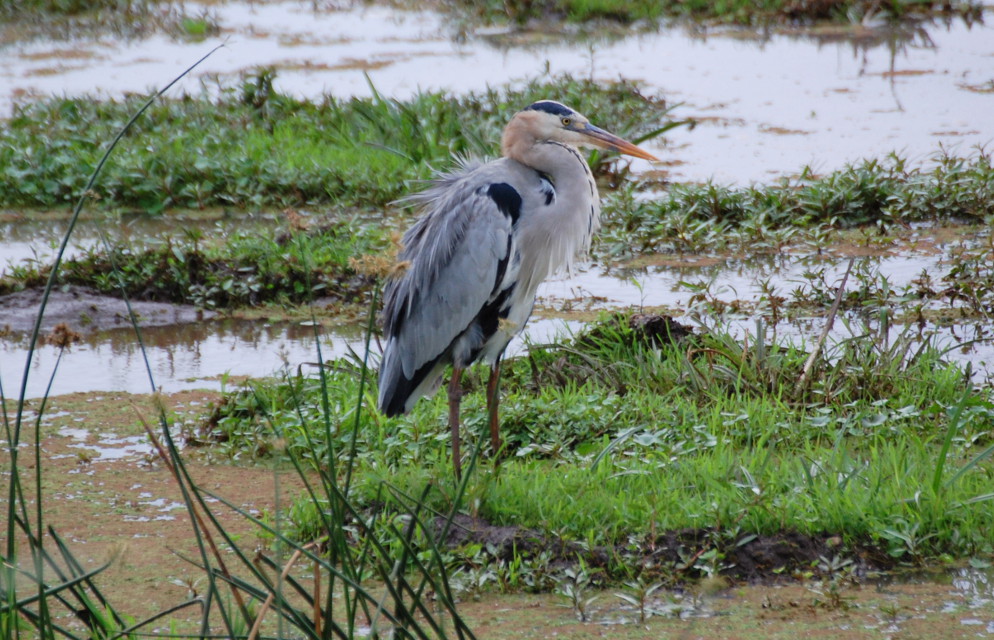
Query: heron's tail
399	392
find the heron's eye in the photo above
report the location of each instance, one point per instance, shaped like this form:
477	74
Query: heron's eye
566	122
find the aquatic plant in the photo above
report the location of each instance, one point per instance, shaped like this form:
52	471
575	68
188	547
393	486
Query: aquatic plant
225	269
875	194
726	11
255	147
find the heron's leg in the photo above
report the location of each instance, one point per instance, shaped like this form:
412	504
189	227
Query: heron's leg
493	401
455	395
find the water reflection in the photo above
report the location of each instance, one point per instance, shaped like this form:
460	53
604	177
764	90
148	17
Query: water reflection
180	356
728	279
768	103
749	284
37	238
195	355
976	586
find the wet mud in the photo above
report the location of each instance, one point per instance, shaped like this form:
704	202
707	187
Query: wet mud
753	559
85	310
108	494
111	498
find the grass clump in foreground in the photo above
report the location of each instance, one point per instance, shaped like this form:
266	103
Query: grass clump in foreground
749	12
257	147
614	445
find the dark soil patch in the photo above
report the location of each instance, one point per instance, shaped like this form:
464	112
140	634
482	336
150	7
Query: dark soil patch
649	329
762	559
563	367
87	310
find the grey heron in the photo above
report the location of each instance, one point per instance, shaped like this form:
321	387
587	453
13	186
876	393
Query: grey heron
469	268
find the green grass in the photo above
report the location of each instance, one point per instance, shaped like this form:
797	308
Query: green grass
612	441
727	11
22	20
871	202
255	147
228	269
874	194
70	7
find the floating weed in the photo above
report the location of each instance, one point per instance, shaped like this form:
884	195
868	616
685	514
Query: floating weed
970	280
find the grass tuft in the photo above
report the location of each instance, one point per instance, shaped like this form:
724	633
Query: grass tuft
871	193
742	12
255	147
222	270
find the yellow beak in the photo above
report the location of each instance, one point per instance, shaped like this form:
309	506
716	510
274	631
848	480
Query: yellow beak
607	140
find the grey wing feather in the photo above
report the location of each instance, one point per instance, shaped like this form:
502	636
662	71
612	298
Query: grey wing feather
454	252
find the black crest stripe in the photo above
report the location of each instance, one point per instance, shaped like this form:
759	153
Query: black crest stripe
549	106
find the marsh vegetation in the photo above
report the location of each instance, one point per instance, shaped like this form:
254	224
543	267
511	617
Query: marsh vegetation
663	459
726	11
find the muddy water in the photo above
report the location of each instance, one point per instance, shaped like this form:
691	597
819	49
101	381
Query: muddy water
976	586
767	104
198	355
180	357
39	239
937	604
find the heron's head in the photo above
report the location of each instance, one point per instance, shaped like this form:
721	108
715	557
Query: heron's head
547	120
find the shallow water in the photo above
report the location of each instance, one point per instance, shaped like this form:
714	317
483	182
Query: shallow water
767	104
38	240
107	447
199	355
180	357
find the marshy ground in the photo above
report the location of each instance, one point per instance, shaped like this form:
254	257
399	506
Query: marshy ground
115	500
682	456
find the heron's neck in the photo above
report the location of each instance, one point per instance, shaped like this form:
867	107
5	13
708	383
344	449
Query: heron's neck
562	163
565	226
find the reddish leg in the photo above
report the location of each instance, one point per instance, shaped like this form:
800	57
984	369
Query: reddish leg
493	400
455	395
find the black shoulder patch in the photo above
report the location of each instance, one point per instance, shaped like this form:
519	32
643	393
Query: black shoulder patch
550	106
507	199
